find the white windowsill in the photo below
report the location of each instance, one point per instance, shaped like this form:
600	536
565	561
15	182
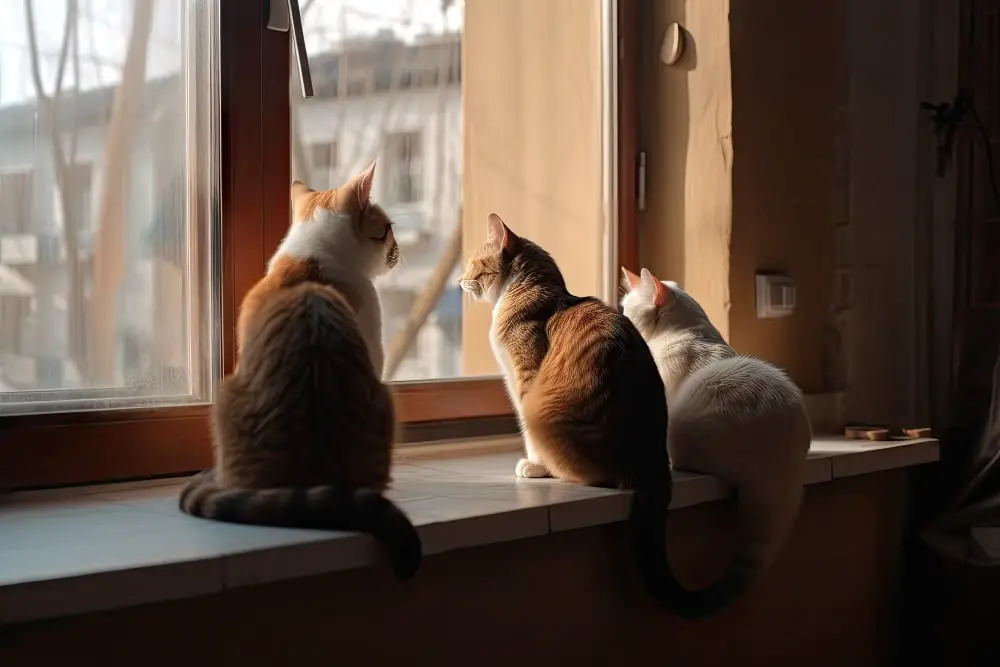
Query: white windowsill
103	547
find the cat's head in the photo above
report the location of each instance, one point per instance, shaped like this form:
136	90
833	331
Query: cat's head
342	226
490	266
506	257
656	306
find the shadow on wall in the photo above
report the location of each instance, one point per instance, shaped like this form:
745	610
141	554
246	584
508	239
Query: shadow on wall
789	81
664	135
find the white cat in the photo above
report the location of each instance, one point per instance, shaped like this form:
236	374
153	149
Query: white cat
737	418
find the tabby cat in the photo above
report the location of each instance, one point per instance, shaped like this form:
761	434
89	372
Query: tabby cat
303	429
586	390
735	417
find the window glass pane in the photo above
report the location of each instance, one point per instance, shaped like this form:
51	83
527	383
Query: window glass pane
469	107
107	155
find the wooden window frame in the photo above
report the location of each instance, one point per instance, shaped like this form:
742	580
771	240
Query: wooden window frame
44	450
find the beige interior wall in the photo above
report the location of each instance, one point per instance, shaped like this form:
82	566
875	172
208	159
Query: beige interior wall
532	95
686	127
740	140
742	162
789	79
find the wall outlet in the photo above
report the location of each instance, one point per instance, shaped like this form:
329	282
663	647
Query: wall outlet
775	295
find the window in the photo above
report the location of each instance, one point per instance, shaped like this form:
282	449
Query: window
89	90
15	199
323	154
119	265
463	122
147	198
323	164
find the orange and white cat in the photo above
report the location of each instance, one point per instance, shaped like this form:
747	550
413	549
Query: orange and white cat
732	416
586	390
303	429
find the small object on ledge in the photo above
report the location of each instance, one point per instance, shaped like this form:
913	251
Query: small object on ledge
672	46
875	433
923	432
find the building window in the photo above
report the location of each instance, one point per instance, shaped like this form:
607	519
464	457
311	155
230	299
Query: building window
404	167
323	155
79	185
15	201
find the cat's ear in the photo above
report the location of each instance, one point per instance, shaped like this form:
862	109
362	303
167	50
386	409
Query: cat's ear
299	188
630	281
361	186
656	289
499	233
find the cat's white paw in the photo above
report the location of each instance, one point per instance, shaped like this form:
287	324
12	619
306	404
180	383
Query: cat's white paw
531	469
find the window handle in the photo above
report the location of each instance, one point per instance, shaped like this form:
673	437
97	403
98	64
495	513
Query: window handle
282	15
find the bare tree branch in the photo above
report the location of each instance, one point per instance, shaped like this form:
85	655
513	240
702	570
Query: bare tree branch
64	50
46	102
74	136
425	302
61	167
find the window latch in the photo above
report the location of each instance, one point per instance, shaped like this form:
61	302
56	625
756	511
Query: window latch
282	16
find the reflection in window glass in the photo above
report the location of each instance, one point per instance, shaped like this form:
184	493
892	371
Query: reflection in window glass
387	80
104	203
469	107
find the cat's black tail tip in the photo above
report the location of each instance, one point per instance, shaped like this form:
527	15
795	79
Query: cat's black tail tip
390	526
650	553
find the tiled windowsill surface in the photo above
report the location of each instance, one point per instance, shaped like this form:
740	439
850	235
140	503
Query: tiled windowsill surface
89	549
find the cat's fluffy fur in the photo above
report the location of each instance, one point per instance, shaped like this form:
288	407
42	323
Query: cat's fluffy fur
731	416
585	387
303	429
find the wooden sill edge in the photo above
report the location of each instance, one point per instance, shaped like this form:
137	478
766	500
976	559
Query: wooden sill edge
55	596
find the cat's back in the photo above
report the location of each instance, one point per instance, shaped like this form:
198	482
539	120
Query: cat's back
305	400
740	393
600	366
739	380
586	324
306	328
588	334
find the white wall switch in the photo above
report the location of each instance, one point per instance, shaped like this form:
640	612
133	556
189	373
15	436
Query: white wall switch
775	295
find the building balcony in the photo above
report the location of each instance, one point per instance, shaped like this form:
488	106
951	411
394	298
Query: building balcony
26	249
25	373
18	249
410	222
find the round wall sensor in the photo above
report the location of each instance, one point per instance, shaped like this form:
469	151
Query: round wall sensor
672	47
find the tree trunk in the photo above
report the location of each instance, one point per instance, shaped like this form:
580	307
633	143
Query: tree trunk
425	302
109	249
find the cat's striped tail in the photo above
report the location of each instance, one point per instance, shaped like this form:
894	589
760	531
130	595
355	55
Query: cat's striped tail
648	519
318	507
